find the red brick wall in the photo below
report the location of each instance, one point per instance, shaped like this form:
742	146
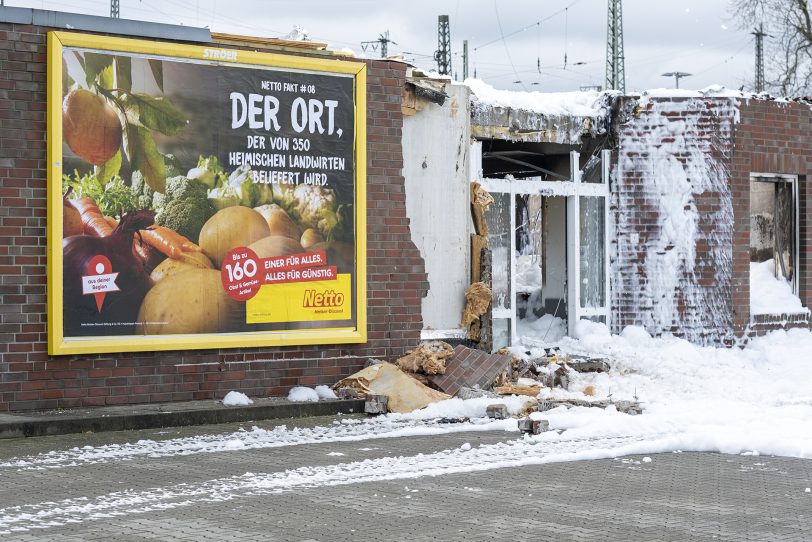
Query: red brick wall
672	213
771	138
707	138
30	379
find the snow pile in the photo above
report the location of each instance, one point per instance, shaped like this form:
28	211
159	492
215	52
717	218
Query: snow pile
548	328
325	392
302	393
695	398
769	294
236	398
578	104
465	408
527	277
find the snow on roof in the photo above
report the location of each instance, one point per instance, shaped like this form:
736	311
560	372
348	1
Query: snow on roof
713	91
576	104
592	103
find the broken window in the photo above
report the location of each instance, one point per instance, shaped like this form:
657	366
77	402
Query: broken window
547	233
773	244
541	266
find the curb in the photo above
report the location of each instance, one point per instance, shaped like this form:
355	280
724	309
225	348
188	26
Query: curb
62	425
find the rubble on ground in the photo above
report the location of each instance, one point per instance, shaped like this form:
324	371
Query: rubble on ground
434	371
470	368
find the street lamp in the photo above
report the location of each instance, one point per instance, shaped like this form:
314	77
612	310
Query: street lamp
677	76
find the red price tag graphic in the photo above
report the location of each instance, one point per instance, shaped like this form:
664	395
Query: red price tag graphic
240	274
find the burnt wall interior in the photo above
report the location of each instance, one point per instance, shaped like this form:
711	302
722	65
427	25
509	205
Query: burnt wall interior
31	379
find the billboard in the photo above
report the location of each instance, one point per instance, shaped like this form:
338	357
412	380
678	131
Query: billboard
203	198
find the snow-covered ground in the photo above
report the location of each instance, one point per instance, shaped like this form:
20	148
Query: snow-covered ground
751	400
756	399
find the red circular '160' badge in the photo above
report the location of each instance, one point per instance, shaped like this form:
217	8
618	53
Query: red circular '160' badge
241	274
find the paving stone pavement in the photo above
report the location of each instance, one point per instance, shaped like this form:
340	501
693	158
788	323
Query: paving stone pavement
687	496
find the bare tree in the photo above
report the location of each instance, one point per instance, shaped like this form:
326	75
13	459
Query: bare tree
788	23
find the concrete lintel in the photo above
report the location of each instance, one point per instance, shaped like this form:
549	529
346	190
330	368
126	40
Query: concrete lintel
497	122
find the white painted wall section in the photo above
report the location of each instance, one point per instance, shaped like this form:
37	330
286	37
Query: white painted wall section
436	146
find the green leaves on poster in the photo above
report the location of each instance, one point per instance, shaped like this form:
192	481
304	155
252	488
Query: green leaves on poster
94	65
67	80
109	169
155	113
145	157
110	76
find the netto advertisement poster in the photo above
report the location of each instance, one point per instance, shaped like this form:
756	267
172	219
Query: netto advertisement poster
203	197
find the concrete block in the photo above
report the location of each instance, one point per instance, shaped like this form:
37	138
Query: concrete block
498	411
376	404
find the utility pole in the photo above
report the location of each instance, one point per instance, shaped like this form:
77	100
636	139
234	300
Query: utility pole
615	71
114	12
677	76
443	53
464	60
759	34
383	41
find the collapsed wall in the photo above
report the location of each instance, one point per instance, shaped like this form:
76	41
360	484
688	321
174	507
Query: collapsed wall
673	216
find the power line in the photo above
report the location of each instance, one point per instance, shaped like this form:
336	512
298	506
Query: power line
505	36
507	51
383	41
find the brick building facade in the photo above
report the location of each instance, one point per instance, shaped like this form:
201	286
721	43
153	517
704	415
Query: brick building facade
31	379
681	208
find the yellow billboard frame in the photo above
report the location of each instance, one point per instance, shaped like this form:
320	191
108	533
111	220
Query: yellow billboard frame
57	343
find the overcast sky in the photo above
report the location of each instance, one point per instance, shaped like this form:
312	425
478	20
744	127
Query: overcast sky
697	36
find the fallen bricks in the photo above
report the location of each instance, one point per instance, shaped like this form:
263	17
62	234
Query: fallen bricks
471	369
534	427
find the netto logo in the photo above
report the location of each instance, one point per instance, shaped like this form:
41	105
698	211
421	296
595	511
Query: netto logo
313	298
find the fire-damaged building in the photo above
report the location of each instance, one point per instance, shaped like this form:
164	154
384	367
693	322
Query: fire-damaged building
380	207
685	213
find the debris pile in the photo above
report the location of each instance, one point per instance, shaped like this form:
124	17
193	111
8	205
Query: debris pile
428	358
404	393
434	371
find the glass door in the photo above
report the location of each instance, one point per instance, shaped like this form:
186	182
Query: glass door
588	247
550	254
